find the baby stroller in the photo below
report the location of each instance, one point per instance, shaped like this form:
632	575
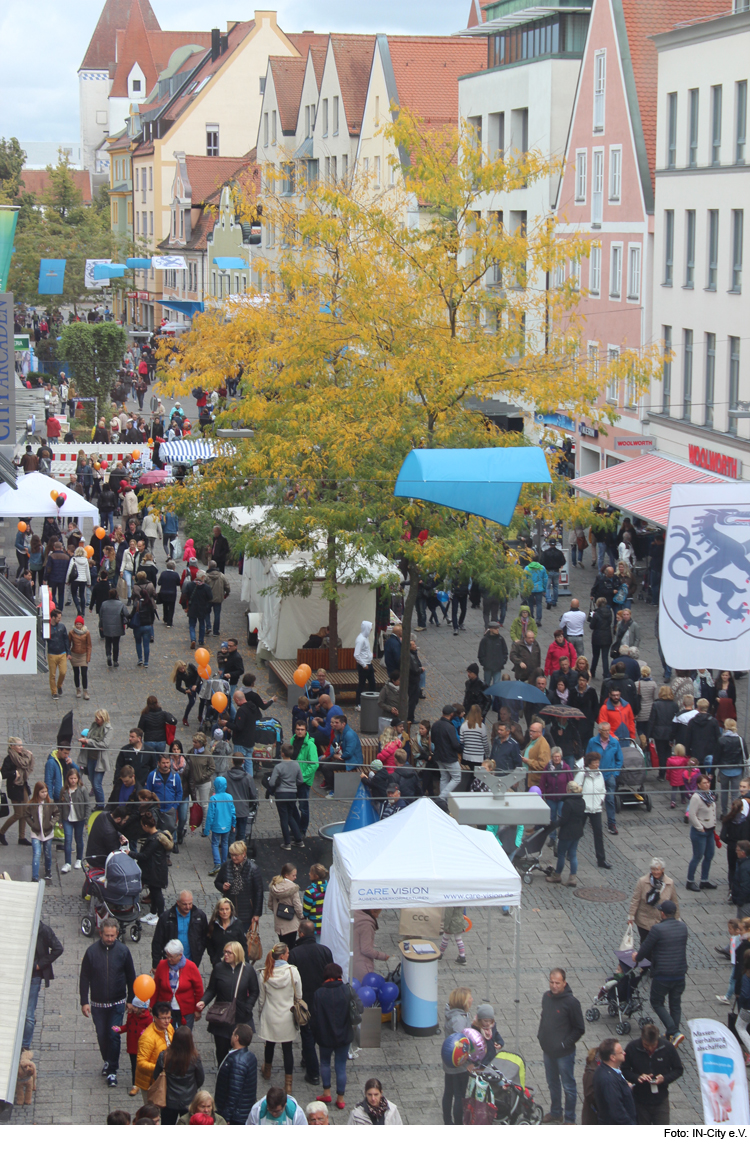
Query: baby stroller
113	892
632	778
621	994
513	1099
270	734
526	856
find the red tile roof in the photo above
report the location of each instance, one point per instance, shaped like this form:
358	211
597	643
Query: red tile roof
208	174
303	41
235	37
319	62
151	50
353	56
37	182
427	69
288	77
101	52
644	19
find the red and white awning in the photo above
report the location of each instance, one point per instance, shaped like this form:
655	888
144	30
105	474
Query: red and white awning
642	487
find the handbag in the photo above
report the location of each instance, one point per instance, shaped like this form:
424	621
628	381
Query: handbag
299	1009
355	1016
223	1012
170	730
4	807
620	596
196	816
157	1093
285	912
254	946
626	944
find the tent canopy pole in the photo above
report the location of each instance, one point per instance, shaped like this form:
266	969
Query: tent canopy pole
517	950
489	950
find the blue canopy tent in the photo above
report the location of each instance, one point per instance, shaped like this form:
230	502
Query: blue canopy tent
481	481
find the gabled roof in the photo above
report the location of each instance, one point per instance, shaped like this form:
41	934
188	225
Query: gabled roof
426	71
318	56
208	174
150	49
37	182
288	77
235	36
353	56
476	14
303	41
636	21
102	50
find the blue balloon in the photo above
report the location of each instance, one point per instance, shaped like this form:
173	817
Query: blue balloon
374	980
356	985
367	996
388	993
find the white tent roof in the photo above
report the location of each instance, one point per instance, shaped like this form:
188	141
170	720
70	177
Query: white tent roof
32	498
423	857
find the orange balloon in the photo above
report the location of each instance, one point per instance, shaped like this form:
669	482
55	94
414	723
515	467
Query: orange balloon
204	672
219	702
100	533
22	526
144	987
202	657
150	443
468	923
89	550
54	494
136	454
97	466
302	675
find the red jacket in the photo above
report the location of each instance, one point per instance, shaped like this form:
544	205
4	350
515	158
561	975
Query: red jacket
134	1025
555	653
622	715
189	989
53	427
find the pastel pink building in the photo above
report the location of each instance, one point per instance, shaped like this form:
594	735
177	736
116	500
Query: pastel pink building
607	191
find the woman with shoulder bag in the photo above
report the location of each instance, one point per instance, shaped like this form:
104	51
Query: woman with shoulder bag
333	1029
285	903
98	739
183	1075
17	768
280	988
234	987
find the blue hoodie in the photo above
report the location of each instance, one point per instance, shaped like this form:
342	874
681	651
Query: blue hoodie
53	775
220	817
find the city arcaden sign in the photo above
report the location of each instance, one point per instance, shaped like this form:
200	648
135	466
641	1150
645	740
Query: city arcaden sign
715	462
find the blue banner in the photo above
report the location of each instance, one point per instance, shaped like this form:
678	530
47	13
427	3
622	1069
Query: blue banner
51	277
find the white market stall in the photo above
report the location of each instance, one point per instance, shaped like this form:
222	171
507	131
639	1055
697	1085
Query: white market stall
419	858
287	621
32	497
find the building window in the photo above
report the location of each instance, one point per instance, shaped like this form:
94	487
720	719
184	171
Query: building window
597	187
634	272
136	180
666	379
595	270
265	130
377	172
212	140
137	217
174	223
581	165
136	85
738	226
668	246
687	373
615	174
600	78
713	249
671	130
519	130
575	274
693	128
325	117
151	179
273	126
495	135
307	121
631	391
710	377
143	185
115	211
740	132
262	85
613	381
690	248
345	168
335	116
615	271
716	124
593	356
734	380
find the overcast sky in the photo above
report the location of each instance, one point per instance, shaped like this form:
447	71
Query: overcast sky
42	44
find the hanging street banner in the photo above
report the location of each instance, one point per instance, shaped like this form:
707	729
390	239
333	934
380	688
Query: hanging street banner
704	607
7	375
721	1071
88	275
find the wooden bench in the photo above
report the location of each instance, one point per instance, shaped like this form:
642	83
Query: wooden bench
321	659
344	681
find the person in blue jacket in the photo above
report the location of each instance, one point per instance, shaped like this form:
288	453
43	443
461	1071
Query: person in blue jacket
220	819
609	750
170	526
167	785
57	765
237	1079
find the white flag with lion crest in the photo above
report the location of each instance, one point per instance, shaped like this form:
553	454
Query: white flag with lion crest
704	607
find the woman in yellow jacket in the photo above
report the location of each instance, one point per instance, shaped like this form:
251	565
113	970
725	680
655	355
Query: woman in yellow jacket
153	1040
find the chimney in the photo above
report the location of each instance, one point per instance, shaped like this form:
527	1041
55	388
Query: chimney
224	44
215	43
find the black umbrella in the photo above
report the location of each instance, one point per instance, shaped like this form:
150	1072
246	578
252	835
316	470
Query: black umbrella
65	732
516	691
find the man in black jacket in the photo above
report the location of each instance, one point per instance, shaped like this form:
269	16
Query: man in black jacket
105	985
560	1027
200	600
183	922
553	559
136	756
612	1093
741	879
605	585
106	836
666	948
219	549
474	690
233	665
703	732
311	959
47	950
237	1079
651	1065
446	751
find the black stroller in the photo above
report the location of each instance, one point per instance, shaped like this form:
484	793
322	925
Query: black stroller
621	994
527	856
113	892
632	779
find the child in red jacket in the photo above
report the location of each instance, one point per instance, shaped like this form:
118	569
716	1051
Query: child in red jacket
677	774
138	1018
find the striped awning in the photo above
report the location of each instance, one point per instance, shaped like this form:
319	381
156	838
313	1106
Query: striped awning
642	487
192	451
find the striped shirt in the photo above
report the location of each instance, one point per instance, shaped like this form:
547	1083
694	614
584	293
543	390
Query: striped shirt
312	903
475	745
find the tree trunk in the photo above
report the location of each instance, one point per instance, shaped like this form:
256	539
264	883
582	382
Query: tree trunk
409	603
333	609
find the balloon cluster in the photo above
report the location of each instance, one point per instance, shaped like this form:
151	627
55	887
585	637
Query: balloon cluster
58	497
374	988
460	1049
202	657
302	675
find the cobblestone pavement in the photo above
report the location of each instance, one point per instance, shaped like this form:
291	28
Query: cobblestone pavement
558	927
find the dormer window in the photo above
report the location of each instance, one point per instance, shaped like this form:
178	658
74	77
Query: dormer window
136	85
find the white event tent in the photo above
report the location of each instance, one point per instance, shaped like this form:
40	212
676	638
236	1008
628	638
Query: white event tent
420	857
32	498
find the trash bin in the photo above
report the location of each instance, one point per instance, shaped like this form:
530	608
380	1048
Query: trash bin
368	718
419	987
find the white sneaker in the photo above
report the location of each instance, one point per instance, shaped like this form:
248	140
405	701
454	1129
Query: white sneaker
78	864
149	919
358	708
65	869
